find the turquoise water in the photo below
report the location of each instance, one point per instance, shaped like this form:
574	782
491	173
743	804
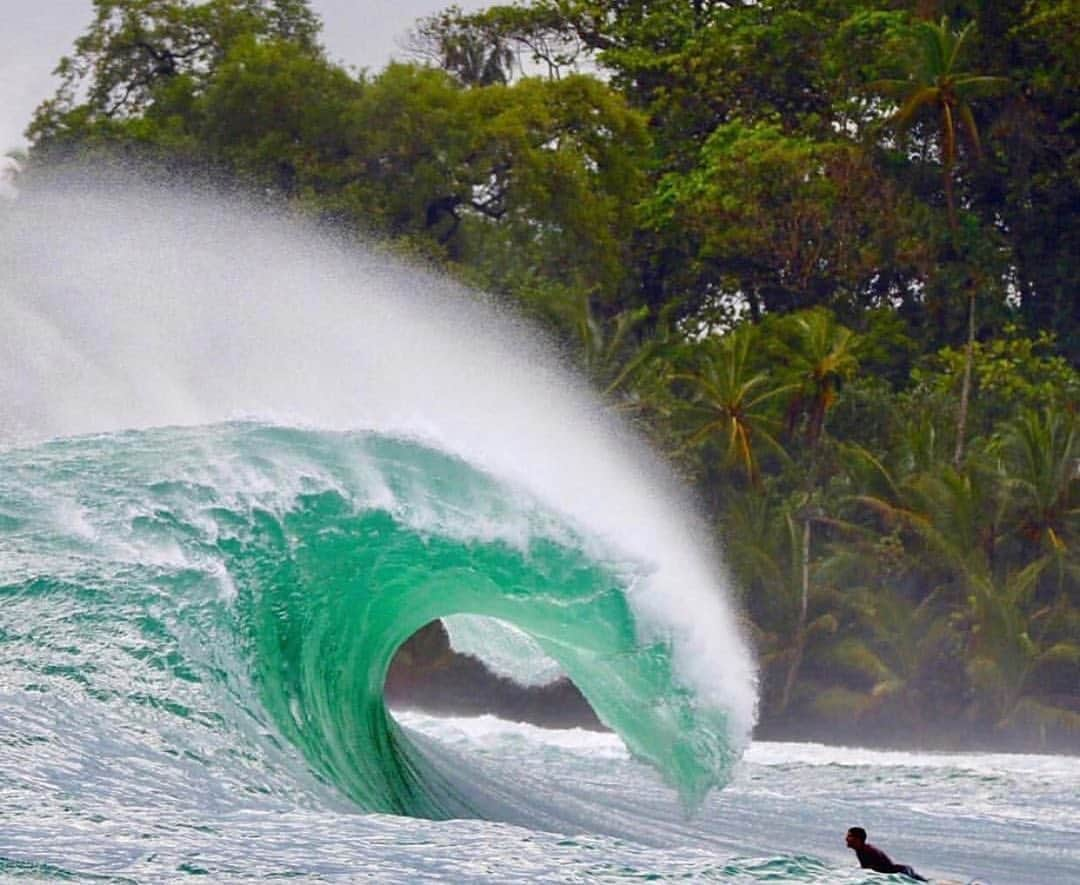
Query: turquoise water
258	573
241	462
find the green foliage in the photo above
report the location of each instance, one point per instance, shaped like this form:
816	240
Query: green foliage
819	355
537	174
133	49
1036	152
1011	372
277	113
783	221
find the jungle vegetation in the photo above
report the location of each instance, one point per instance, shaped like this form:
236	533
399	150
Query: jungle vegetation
824	253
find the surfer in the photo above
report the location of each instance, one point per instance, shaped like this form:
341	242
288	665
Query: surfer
873	858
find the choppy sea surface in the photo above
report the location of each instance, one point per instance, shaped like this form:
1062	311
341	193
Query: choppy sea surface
137	814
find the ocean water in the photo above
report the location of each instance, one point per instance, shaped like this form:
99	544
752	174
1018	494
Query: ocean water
242	461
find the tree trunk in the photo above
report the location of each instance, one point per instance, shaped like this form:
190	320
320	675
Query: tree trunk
950	201
965	387
800	630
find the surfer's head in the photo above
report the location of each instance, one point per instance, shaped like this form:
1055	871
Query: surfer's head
856	837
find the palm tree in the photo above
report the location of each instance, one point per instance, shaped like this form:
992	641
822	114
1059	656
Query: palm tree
960	532
1040	461
897	646
763	542
471	49
937	84
1040	457
962	523
1011	648
820	354
730	402
615	352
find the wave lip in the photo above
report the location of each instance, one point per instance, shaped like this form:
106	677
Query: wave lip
335	586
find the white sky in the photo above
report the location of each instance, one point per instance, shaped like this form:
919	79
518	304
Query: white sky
34	35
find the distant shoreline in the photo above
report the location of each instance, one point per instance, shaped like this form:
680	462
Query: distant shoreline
929	738
429	675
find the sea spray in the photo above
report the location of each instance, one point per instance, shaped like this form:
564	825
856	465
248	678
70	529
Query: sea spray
9	172
137	307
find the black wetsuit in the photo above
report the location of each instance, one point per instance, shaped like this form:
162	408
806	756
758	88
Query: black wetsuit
875	859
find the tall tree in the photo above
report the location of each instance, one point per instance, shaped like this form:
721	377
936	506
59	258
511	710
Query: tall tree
533	39
820	354
773	222
133	48
1037	150
762	534
937	84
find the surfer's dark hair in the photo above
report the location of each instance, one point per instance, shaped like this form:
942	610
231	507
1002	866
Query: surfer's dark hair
858	832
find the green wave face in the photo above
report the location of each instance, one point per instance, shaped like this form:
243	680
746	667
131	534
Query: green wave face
272	573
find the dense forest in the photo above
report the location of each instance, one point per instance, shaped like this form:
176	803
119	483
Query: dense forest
822	252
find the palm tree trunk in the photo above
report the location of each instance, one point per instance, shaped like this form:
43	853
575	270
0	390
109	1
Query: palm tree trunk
950	199
965	387
800	630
